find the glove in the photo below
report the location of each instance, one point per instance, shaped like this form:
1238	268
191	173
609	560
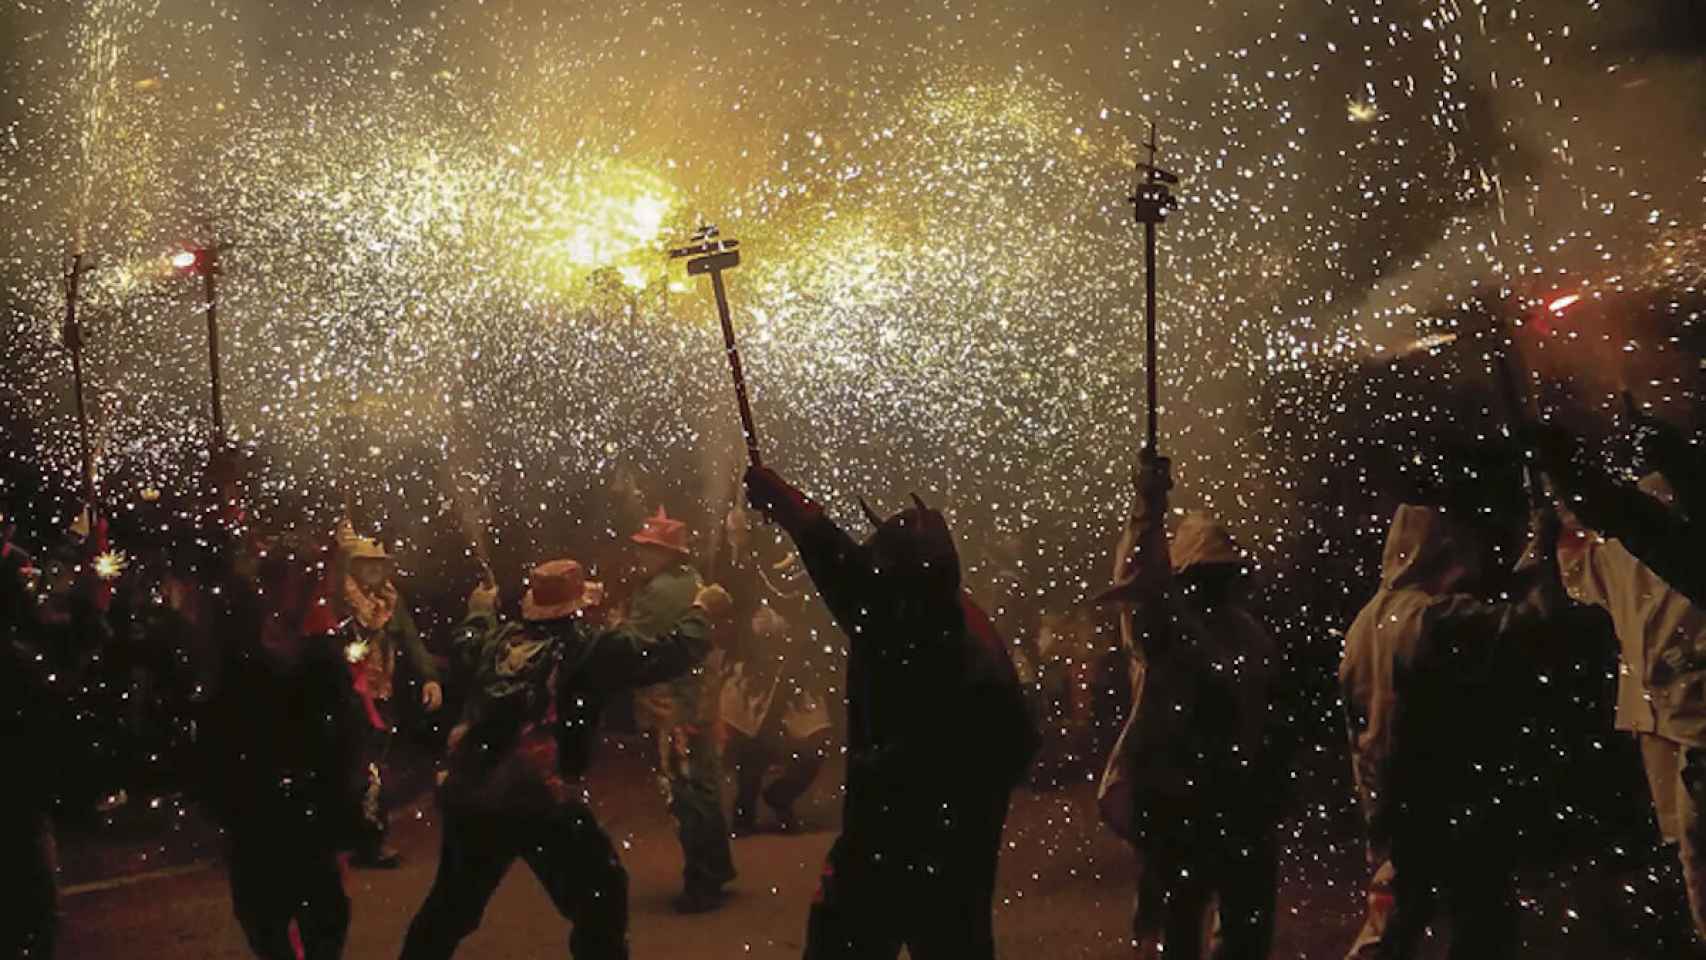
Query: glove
775	497
484	599
715	601
1154	473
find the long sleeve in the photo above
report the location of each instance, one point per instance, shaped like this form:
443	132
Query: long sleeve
619	658
409	644
837	567
1143	560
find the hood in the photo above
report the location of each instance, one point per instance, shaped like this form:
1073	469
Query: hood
1423	546
1202	541
914	550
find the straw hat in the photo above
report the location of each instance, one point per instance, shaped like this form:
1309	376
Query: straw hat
557	589
661	531
362	548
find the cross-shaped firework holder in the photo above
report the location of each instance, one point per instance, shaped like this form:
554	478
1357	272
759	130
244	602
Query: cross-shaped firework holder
1151	202
708	253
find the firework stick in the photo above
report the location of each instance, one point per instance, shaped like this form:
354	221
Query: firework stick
1517	411
473	520
748	428
713	256
1150	204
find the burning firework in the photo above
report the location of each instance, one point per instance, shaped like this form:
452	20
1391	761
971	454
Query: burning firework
112	563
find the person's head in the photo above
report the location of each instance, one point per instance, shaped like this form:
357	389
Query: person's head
661	543
1209	564
370	573
557	590
369	565
1437	551
913	557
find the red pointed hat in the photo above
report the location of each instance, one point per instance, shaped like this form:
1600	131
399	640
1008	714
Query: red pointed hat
661	531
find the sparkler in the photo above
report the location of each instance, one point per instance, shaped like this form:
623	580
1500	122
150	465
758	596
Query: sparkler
74	343
110	564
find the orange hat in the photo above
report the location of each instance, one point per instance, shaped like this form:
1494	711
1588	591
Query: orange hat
661	531
557	589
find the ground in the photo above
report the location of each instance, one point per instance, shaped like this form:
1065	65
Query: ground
1065	889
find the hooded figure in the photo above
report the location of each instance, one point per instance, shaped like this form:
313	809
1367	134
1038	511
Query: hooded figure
517	759
1661	682
284	734
1427	722
938	734
1194	782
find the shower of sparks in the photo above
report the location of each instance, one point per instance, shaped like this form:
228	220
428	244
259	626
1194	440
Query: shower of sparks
109	565
446	292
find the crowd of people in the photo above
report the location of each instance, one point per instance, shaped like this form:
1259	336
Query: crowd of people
305	653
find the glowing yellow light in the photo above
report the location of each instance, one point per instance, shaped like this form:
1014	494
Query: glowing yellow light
1564	303
1362	111
183	259
355	651
110	564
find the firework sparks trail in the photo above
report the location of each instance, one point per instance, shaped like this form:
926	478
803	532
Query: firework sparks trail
451	285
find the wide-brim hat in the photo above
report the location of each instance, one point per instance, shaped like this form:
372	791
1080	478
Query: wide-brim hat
665	533
363	548
557	589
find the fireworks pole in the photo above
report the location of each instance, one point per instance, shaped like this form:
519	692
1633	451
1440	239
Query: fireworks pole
709	254
74	342
1150	204
210	295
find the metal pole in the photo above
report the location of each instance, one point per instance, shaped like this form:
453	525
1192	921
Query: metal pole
210	292
747	425
1149	328
1150	202
74	341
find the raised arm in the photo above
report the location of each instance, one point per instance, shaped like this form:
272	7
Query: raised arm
836	564
616	658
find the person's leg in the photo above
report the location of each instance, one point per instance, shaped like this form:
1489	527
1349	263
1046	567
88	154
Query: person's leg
852	916
1400	903
471	864
801	762
1481	899
261	894
749	759
324	915
579	867
375	803
1248	880
1691	831
954	918
695	798
29	911
1661	760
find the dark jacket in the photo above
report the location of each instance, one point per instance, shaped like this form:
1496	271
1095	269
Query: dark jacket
933	702
537	690
282	731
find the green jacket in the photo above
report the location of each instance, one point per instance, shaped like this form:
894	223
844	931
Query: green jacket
654	608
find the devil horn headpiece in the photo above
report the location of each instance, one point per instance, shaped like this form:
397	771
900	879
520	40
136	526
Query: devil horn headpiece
922	508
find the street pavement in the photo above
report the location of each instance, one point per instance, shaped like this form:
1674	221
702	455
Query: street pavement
1065	889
